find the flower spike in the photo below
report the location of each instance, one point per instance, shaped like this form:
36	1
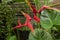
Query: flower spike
27	22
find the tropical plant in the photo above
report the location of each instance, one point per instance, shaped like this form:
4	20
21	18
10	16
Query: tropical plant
44	24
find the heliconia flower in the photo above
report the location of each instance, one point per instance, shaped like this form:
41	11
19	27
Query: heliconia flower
30	26
36	19
31	7
19	24
41	9
44	7
27	22
26	15
34	9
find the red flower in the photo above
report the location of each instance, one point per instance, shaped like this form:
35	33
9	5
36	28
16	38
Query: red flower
44	7
34	9
36	19
30	26
19	24
27	22
31	7
40	10
26	15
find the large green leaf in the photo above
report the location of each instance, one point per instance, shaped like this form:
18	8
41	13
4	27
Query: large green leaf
50	18
54	16
40	34
45	20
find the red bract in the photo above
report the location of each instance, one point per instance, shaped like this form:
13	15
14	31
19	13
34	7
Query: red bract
30	26
44	7
34	9
27	22
40	10
31	7
36	19
26	15
19	24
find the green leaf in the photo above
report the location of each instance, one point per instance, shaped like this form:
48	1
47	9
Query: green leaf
54	16
12	38
50	18
45	20
40	34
